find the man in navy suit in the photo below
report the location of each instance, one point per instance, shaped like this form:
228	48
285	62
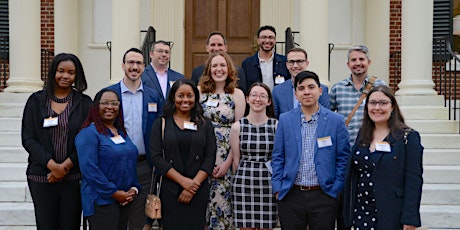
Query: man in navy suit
265	65
309	159
158	75
283	94
140	106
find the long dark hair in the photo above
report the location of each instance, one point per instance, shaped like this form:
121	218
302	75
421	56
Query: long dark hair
269	110
395	123
93	115
79	84
196	114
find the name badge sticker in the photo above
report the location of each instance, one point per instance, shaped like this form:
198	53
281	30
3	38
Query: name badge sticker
212	102
190	125
279	79
118	139
152	107
50	122
324	142
383	146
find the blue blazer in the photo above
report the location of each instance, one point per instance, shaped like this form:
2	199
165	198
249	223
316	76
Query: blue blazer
149	96
150	79
330	161
397	183
253	73
283	97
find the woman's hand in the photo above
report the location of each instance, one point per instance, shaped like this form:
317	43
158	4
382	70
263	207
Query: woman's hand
190	185
408	227
185	197
123	197
222	169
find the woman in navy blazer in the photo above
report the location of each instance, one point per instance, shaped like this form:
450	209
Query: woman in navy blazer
383	184
185	157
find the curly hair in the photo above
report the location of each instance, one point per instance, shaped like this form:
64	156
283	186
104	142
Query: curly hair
207	84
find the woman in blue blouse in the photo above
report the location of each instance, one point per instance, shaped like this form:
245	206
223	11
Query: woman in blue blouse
107	160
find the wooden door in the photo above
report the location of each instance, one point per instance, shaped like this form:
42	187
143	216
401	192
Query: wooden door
238	20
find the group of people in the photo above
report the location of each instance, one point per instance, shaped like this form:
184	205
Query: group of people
234	147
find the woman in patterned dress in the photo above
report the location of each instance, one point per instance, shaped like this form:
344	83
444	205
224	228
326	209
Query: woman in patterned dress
222	103
251	141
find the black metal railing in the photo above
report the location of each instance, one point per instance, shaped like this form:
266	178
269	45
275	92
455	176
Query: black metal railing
4	62
149	39
395	70
46	56
289	41
446	67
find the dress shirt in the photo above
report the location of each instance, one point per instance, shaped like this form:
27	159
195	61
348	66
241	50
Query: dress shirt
306	176
266	67
132	115
163	80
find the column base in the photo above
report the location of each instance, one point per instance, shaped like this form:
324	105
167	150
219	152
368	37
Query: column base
416	88
23	86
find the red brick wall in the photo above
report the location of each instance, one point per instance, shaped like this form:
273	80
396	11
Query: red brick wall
47	24
395	42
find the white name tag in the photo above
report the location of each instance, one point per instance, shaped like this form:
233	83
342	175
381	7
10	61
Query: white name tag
324	142
171	83
190	125
383	146
152	107
279	79
212	102
49	122
118	139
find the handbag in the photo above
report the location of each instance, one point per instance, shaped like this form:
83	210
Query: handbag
153	201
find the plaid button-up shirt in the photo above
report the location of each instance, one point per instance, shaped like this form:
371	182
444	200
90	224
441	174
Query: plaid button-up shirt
306	176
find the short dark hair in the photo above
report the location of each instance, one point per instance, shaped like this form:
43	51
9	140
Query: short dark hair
216	33
306	75
80	79
298	49
132	50
160	42
266	27
269	110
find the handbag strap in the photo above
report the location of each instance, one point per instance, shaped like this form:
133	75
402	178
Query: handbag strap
369	85
153	169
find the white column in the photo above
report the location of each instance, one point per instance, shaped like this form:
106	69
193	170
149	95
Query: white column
378	37
314	35
416	48
66	26
24	51
125	32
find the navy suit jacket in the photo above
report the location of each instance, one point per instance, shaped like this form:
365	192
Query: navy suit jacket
253	73
198	71
283	97
397	181
150	79
330	161
148	96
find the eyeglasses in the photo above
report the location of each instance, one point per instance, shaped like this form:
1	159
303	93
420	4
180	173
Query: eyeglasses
255	96
265	37
299	62
131	63
107	103
381	103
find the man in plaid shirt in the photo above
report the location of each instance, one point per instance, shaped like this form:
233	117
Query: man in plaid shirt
345	94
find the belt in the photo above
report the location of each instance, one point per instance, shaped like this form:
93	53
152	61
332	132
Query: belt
307	188
141	158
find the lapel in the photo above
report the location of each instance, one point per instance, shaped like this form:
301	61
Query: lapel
177	161
154	79
297	131
145	101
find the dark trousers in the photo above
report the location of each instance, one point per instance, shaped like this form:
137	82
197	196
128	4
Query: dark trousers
137	215
109	217
314	209
340	222
57	205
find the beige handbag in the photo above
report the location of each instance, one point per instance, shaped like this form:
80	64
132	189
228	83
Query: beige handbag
153	202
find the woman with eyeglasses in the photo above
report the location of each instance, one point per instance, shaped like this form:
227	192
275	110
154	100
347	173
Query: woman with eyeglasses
383	184
223	104
107	160
251	141
51	120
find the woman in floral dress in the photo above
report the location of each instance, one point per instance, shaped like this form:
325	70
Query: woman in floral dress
222	103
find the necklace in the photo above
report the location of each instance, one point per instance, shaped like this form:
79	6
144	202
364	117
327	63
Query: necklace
63	100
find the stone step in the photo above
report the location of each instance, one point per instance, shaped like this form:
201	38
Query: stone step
13	155
14	192
10	124
440	216
420	100
445	174
10	139
13	172
14	97
441	156
17	213
435	126
440	141
441	194
11	109
425	112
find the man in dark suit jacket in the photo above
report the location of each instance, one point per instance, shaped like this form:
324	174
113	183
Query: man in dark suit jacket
216	42
158	75
283	94
140	106
265	65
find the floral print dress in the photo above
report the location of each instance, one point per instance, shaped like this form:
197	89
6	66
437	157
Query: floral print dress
220	109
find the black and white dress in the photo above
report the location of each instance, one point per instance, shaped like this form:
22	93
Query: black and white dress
254	205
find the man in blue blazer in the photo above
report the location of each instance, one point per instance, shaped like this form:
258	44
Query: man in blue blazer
140	106
158	75
309	159
283	94
265	65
